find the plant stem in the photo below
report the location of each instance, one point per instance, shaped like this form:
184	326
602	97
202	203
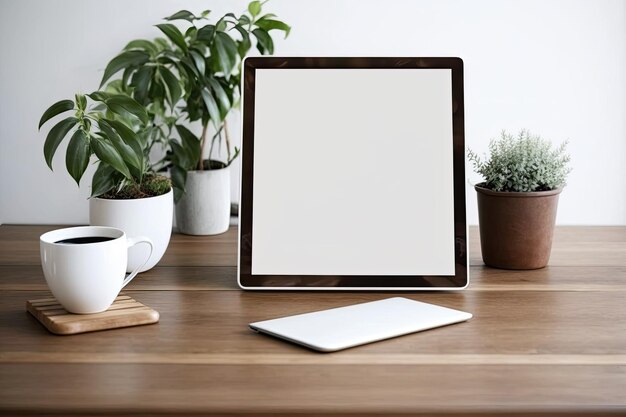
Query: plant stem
227	138
202	145
219	133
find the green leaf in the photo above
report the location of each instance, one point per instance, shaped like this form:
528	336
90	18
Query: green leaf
191	32
179	178
190	142
244	45
269	24
188	70
120	104
81	101
172	85
77	155
124	60
221	95
254	8
198	59
229	15
163	59
141	83
265	43
181	156
162	44
221	24
142	44
120	88
56	109
55	137
145	138
266	16
205	33
201	48
205	13
108	154
104	179
100	108
244	20
235	155
225	50
182	15
178	194
211	105
157	91
99	96
116	86
173	34
129	137
127	153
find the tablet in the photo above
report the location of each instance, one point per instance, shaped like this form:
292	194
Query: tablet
345	327
353	174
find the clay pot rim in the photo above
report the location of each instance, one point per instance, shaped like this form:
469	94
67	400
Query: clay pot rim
516	194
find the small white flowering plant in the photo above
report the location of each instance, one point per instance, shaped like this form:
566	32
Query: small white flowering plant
522	163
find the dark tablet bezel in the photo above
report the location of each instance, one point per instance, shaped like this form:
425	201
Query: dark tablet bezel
351	282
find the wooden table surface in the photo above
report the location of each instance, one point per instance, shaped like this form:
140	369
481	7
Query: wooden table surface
551	341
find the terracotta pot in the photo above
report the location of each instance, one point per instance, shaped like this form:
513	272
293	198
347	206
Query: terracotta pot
516	228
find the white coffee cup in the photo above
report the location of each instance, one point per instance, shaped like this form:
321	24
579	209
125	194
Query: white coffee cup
87	277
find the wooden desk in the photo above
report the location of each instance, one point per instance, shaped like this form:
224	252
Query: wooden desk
551	341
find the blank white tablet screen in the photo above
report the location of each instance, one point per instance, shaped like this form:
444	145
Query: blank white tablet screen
353	172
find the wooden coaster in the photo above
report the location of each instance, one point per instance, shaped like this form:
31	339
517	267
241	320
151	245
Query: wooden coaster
124	312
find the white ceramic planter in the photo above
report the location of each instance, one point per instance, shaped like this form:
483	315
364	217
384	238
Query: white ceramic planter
204	209
151	217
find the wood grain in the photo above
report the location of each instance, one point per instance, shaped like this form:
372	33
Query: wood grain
19	245
573	246
545	342
169	278
293	389
224	278
124	312
300	359
216	322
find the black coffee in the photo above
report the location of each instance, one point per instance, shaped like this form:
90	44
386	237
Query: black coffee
83	240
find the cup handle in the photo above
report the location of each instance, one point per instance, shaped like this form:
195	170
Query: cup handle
132	241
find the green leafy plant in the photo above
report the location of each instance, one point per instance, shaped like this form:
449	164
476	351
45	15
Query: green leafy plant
193	75
103	129
522	163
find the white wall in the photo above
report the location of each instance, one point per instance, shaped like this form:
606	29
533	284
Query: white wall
555	67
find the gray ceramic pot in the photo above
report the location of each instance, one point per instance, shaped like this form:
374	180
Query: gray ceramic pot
204	209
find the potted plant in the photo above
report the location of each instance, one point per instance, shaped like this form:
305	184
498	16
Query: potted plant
194	75
517	202
126	193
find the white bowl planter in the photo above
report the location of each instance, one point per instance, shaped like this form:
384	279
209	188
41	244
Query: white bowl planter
150	217
204	209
